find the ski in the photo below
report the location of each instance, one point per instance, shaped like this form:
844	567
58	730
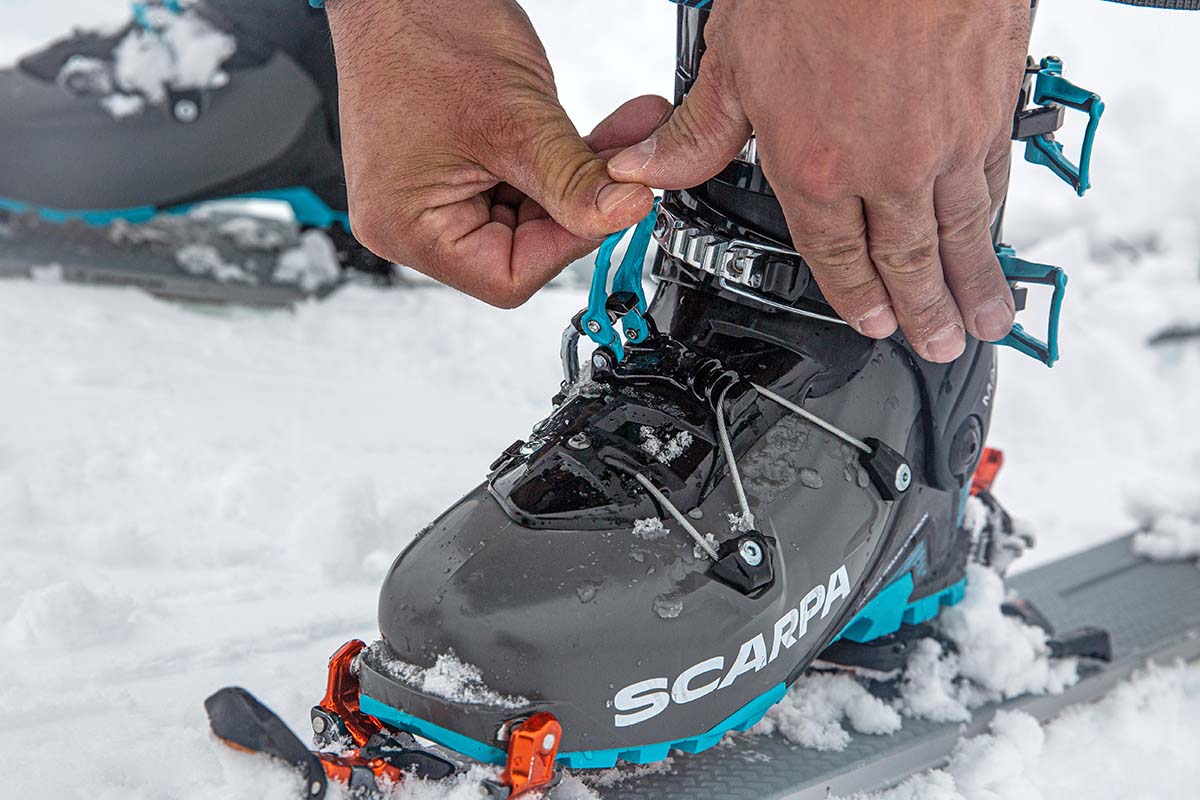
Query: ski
1151	611
1115	610
213	257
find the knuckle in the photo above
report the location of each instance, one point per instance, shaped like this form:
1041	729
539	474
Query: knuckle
821	178
689	132
964	223
979	282
837	259
909	172
913	259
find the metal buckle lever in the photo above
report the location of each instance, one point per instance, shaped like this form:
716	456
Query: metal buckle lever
1017	269
627	301
1036	126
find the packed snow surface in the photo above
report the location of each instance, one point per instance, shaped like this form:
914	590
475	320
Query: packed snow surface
1139	742
191	499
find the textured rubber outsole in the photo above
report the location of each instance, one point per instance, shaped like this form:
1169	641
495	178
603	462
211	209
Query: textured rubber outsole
883	615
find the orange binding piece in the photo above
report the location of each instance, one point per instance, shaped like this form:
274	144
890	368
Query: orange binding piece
985	473
532	748
341	694
342	768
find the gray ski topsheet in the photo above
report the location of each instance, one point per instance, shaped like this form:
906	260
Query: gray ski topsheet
234	257
1152	611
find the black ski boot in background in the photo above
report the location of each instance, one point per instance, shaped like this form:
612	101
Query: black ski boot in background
188	103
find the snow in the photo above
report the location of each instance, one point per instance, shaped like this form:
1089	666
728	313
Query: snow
311	264
1001	655
448	678
184	51
664	449
991	657
812	712
204	259
1172	538
1139	742
191	498
650	528
181	52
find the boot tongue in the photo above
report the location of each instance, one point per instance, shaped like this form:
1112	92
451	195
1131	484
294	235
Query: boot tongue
564	477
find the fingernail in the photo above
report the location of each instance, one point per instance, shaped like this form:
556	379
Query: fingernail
632	159
945	345
994	320
615	195
878	323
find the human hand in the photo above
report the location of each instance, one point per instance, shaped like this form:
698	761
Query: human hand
460	162
884	131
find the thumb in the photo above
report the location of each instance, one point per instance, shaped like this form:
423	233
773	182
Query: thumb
703	135
555	168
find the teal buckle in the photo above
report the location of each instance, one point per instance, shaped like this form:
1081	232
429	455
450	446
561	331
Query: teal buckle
627	301
141	12
1053	90
1019	270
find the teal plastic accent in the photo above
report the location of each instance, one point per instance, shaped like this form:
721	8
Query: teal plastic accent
884	614
1051	88
1017	269
596	322
308	208
893	607
141	12
407	722
743	719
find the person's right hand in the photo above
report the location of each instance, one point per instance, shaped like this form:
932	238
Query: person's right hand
460	162
884	130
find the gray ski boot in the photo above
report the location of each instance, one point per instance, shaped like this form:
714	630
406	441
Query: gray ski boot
190	102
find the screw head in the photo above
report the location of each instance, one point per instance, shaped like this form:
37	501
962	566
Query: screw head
186	110
903	477
593	326
579	441
318	725
599	361
633	335
751	552
549	742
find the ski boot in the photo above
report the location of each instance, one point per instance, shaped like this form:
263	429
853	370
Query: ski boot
733	486
737	484
188	103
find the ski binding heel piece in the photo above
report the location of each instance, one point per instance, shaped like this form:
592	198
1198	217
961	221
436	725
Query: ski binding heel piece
1036	126
1022	271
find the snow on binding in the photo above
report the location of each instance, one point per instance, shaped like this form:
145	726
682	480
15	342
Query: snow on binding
734	495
